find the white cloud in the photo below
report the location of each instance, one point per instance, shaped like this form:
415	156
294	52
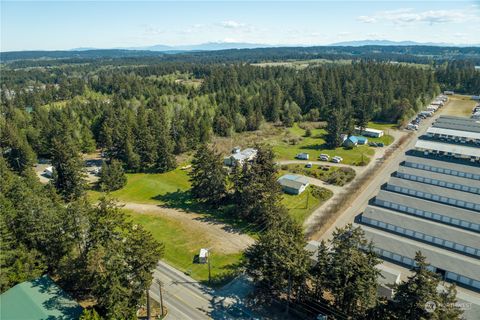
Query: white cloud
410	16
366	19
232	24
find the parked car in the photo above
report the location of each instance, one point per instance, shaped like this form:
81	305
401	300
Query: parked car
308	165
96	171
372	144
337	159
324	157
381	144
412	126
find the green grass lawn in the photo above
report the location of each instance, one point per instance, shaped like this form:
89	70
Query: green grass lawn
182	242
335	175
382	126
151	187
315	145
302	205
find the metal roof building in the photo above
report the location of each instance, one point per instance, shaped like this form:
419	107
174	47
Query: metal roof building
38	299
452	134
293	184
456	150
457	123
431	204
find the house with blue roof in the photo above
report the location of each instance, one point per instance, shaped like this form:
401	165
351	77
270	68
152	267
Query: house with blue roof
350	142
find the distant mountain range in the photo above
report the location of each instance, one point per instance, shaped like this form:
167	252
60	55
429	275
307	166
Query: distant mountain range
212	46
209	46
360	43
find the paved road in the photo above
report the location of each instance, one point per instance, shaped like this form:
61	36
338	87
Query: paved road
187	299
382	176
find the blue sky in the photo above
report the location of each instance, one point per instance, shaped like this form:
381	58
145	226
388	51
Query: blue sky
108	24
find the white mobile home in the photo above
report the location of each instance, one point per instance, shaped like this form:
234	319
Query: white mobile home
369	132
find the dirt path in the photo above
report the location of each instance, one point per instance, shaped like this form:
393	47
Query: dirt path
223	237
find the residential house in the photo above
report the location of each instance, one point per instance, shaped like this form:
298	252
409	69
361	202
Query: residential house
293	184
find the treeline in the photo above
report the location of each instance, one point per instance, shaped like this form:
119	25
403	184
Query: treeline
343	280
413	54
144	116
94	251
459	76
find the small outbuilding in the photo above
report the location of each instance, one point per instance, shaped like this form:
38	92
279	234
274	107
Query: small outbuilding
203	256
369	132
48	172
293	184
362	140
350	142
302	156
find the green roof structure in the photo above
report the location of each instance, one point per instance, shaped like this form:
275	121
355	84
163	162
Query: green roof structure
39	299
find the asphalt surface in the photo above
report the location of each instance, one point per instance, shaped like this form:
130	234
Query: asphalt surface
185	298
382	176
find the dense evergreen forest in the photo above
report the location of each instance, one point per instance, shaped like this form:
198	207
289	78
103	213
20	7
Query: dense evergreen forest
169	107
414	54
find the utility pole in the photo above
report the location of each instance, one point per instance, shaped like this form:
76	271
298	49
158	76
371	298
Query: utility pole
160	284
209	268
148	304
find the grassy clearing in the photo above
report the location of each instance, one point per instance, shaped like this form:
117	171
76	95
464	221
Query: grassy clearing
153	188
294	141
334	175
288	142
182	242
459	105
171	189
302	205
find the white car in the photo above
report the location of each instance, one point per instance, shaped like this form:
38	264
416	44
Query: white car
324	157
337	159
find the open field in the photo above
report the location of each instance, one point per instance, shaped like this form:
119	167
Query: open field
335	175
171	190
152	188
288	142
294	141
300	64
182	242
302	205
459	106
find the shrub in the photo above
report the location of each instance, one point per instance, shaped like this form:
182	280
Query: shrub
112	176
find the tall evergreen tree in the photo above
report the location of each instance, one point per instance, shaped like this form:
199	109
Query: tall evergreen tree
334	129
165	158
412	296
68	176
257	193
112	176
208	176
351	276
278	262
